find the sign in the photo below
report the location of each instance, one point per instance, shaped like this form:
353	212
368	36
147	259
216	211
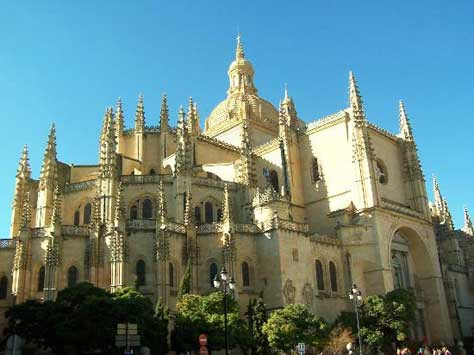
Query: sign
203	340
301	348
203	351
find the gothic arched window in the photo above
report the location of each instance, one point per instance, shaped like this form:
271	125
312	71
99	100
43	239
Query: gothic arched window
245	274
87	213
147	209
77	218
315	174
133	212
319	275
171	274
3	287
273	177
333	276
152	172
41	273
197	214
72	276
212	273
219	214
141	270
208	212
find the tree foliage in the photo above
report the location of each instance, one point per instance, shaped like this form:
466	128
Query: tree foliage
383	319
205	315
292	325
257	317
84	318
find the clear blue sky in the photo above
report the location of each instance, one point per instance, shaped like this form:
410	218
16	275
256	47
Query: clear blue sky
65	61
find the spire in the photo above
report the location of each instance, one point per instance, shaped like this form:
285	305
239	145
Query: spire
239	51
96	215
24	170
108	145
119	119
192	122
405	127
26	213
56	215
227	208
188	209
355	100
438	199
468	226
162	212
164	118
48	168
246	166
140	115
183	158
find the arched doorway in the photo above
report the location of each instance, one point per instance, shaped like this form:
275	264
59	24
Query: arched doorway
414	266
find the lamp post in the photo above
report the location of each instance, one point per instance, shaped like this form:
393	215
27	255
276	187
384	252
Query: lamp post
356	296
229	286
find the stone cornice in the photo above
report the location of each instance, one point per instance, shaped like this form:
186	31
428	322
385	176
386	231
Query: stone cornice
325	121
218	143
382	131
266	147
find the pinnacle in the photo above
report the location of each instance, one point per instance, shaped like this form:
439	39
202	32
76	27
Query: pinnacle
405	127
164	112
140	114
24	166
355	99
239	52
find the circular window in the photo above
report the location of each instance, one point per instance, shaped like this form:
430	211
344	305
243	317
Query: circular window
381	172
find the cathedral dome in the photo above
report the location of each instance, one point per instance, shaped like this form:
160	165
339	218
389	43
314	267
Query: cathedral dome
242	100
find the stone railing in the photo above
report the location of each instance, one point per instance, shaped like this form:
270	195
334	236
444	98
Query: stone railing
325	239
75	230
7	243
267	195
208	228
79	186
213	183
140	179
39	232
246	228
142	224
279	223
325	120
176	227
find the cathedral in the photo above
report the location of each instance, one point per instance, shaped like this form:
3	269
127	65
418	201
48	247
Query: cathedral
296	210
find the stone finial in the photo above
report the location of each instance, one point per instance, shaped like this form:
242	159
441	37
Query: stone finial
108	145
356	101
164	114
96	213
227	205
48	168
239	51
192	122
188	209
140	115
119	118
24	170
405	127
162	211
183	162
468	226
438	199
56	218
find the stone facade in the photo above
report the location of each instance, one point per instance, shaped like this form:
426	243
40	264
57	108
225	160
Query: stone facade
298	211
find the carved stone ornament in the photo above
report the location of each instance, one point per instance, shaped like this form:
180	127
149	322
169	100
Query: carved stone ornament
289	291
308	295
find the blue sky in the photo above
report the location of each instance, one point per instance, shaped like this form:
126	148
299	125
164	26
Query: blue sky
65	61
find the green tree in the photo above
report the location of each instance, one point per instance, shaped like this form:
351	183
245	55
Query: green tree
292	325
185	284
205	314
257	317
383	319
160	329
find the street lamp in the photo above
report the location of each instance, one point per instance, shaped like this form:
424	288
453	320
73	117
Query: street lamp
229	286
356	296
